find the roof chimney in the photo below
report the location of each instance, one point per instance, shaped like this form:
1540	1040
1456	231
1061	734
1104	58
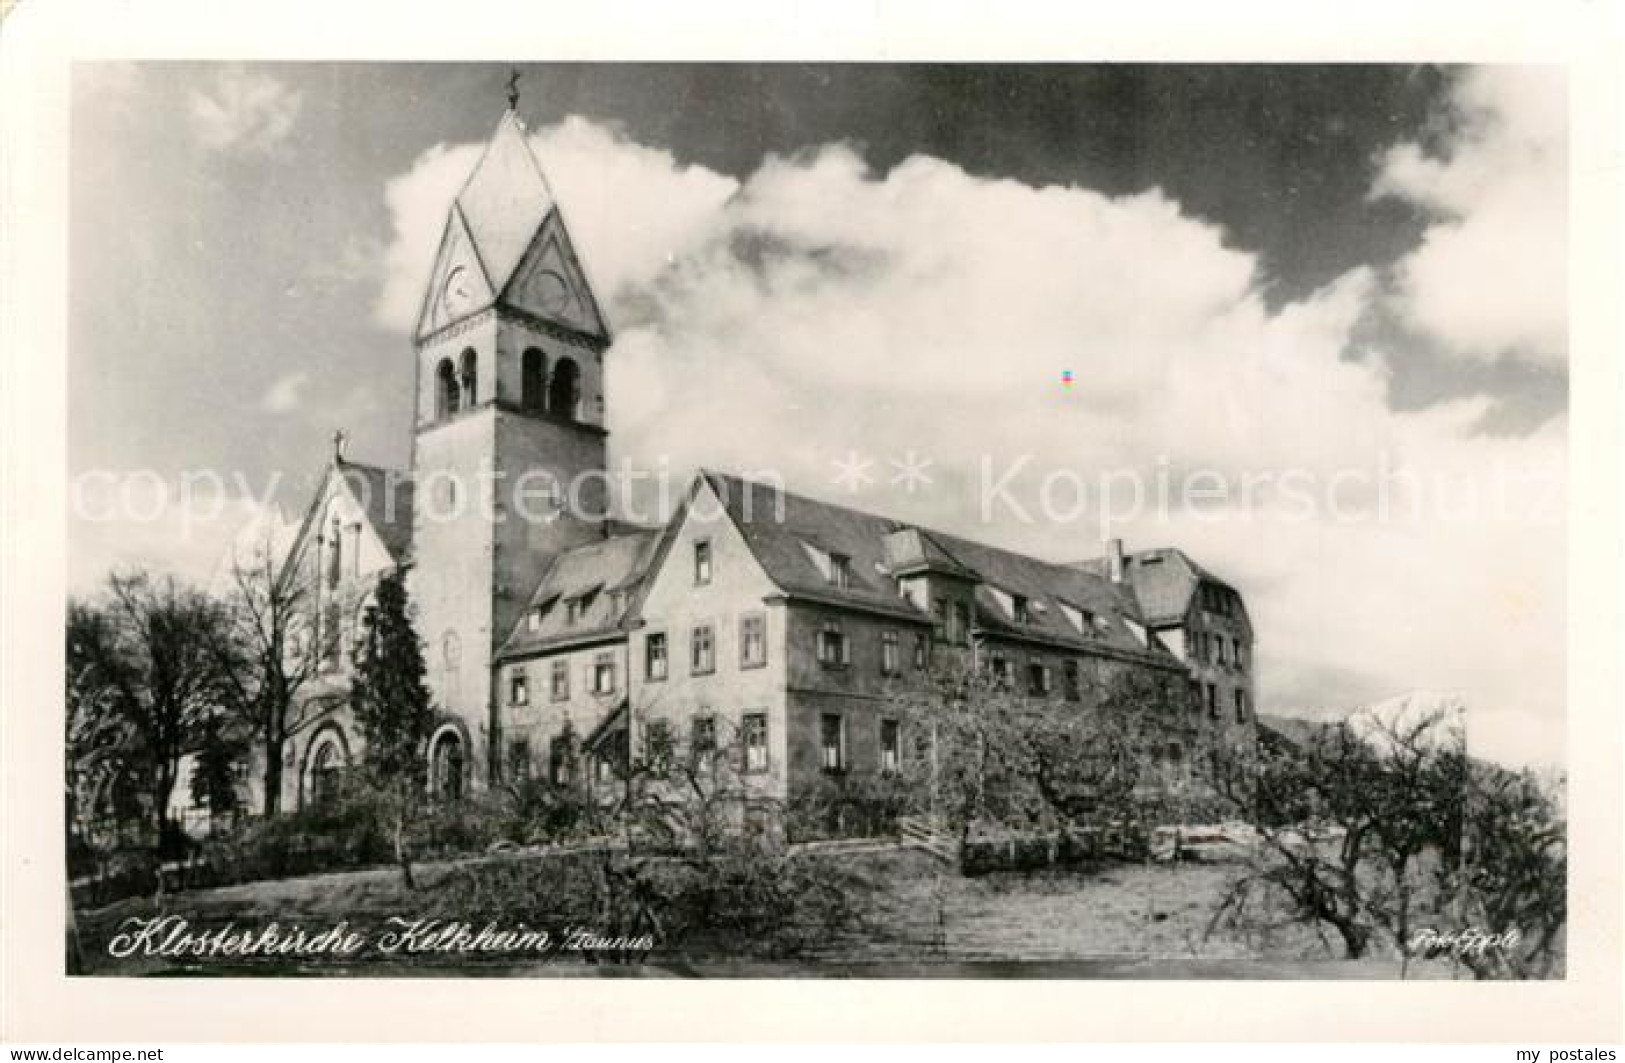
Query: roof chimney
1114	560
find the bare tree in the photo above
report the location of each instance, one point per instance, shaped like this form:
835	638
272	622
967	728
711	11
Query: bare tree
1512	875
149	666
988	754
1384	831
274	652
100	740
675	845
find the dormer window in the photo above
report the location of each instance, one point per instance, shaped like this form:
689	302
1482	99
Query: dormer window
533	619
1020	611
835	568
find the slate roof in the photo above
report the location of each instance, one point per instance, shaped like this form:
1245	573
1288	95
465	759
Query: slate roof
1164	580
604	576
386	497
780	525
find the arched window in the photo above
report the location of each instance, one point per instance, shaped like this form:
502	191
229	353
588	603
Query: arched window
564	390
470	377
532	380
445	390
446	766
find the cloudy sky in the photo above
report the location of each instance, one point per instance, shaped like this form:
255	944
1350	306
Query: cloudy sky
1343	286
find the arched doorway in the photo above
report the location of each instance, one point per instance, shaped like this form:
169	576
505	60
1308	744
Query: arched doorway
446	764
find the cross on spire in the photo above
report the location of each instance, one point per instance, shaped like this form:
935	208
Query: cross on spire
340	437
513	88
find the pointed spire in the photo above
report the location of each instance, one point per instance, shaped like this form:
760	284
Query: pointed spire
513	88
505	200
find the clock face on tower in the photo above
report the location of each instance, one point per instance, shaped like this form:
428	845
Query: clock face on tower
458	294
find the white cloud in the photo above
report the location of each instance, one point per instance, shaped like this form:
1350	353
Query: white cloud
817	308
243	110
1490	277
285	394
190	529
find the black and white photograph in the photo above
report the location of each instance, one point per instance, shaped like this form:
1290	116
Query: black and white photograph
542	525
817	519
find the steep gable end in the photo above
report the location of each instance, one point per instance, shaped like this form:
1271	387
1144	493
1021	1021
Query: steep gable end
550	283
447	300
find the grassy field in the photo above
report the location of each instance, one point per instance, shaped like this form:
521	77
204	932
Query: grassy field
912	917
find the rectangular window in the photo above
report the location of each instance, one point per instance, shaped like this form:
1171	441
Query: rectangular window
533	619
1020	612
702	562
519	688
1220	650
1071	676
657	748
753	736
831	743
561	680
702	656
560	760
1212	701
891	746
702	742
519	759
1241	657
1241	706
922	653
603	674
752	640
1038	679
834	651
654	656
840	570
890	654
1000	668
939	618
959	626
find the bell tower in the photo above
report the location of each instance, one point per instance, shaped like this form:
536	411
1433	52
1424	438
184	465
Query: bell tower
509	445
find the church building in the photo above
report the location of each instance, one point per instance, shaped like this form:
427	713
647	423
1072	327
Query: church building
557	639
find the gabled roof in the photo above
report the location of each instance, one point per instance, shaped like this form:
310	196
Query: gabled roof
505	201
602	577
505	236
386	497
779	526
383	495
